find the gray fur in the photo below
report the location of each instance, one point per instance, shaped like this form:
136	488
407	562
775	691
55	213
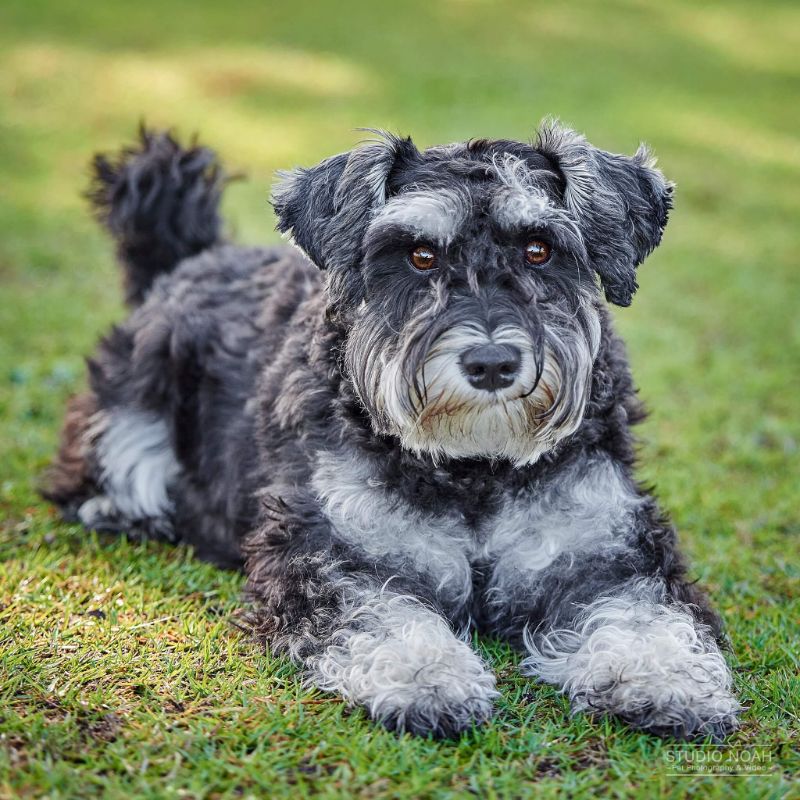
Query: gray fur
402	662
431	216
643	658
591	510
307	413
436	548
137	466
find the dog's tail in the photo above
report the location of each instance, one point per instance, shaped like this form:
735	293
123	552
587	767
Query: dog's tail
160	201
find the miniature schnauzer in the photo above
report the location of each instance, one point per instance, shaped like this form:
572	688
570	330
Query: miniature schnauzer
413	425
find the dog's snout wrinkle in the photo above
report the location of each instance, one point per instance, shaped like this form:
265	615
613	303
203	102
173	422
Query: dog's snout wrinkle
491	366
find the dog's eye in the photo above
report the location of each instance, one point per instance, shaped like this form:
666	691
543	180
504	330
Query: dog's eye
537	252
423	258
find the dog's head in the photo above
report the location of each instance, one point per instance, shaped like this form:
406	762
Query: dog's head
466	277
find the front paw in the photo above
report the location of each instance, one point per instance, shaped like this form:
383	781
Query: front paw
677	706
650	665
436	698
406	667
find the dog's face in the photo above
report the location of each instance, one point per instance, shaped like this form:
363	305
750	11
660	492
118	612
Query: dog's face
466	277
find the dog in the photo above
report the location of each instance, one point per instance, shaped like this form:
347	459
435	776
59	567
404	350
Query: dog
412	425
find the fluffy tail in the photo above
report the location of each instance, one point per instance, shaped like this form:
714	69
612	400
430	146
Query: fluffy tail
160	201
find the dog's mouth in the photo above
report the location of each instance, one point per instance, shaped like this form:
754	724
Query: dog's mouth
537	401
520	421
498	374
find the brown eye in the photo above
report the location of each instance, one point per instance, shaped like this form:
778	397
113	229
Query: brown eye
537	252
423	258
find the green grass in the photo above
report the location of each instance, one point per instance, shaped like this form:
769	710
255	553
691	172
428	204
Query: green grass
120	674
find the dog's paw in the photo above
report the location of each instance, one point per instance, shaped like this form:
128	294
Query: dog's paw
404	665
651	665
440	717
690	712
99	513
437	698
684	693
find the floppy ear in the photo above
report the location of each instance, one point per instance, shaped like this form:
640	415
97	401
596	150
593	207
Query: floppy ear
327	208
621	204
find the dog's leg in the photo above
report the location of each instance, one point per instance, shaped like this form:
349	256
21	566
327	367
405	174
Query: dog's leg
69	481
135	468
594	590
639	655
401	661
370	640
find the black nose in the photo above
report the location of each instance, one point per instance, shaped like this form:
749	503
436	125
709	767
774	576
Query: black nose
491	366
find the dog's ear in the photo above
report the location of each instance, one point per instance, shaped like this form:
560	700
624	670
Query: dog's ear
327	208
620	202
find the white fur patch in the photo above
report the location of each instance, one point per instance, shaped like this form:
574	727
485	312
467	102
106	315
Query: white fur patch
582	511
647	661
434	216
403	663
520	209
366	515
456	420
137	463
519	203
97	512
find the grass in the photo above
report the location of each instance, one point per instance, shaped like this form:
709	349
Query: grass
120	675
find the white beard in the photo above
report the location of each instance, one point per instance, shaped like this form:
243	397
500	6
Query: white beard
455	420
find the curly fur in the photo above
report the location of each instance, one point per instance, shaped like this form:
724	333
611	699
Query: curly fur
160	202
305	413
641	658
403	663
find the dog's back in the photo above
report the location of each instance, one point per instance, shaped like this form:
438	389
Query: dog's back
165	439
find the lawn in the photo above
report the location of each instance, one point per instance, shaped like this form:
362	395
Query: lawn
120	673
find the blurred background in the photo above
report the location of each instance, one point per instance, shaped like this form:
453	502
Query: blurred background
714	333
713	88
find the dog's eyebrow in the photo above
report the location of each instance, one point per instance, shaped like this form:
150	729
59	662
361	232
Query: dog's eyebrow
514	208
521	201
435	215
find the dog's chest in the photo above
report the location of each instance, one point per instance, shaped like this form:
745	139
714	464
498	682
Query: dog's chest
527	530
365	515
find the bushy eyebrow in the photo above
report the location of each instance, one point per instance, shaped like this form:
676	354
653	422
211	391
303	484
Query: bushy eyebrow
434	215
515	210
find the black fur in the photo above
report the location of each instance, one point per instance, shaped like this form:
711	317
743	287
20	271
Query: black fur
160	202
258	378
